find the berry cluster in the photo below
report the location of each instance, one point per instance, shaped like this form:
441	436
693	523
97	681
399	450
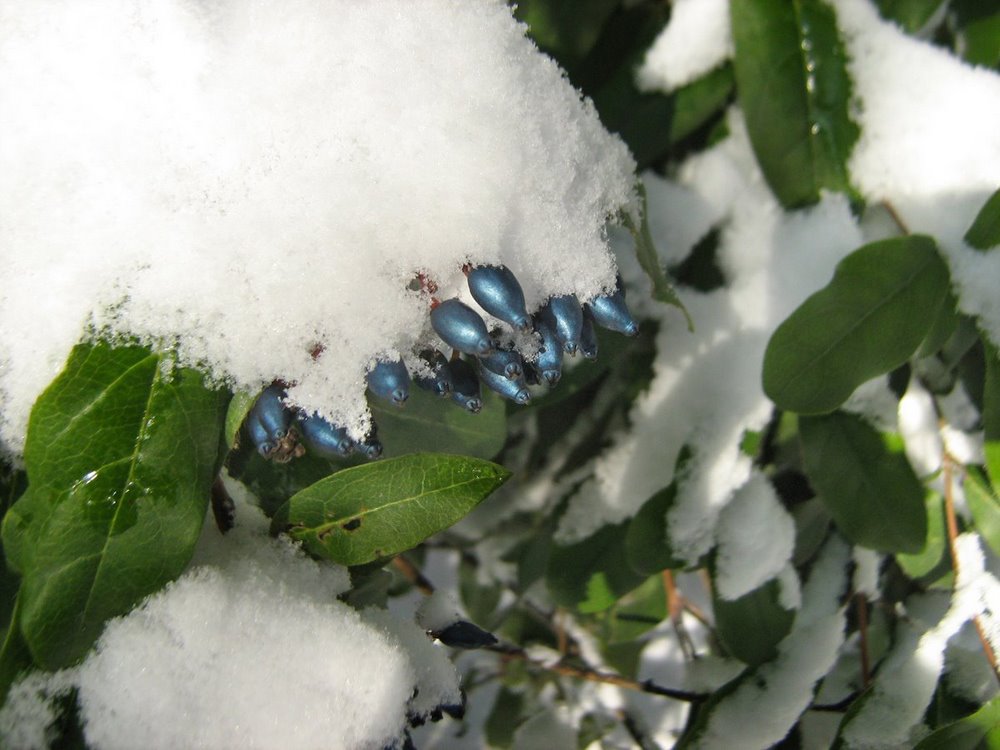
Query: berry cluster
562	325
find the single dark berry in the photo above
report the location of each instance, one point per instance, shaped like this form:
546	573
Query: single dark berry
464	634
274	416
549	362
611	312
461	327
514	390
504	362
258	434
588	337
325	438
439	381
465	386
390	380
565	317
497	291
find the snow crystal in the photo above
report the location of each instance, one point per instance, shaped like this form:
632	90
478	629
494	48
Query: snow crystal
905	684
753	526
695	40
247	182
866	566
251	648
706	392
929	143
761	710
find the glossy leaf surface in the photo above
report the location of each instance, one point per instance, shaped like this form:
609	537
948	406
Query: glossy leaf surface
373	511
984	234
882	302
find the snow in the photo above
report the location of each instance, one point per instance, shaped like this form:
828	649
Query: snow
245	182
767	703
754	526
251	647
695	40
918	425
905	684
706	392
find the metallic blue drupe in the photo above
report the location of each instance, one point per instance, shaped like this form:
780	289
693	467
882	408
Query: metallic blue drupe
565	317
503	362
258	434
272	413
611	312
439	381
498	292
514	390
465	389
549	362
588	337
390	380
461	327
370	447
325	438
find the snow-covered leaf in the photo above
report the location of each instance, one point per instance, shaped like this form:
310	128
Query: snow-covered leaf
984	234
867	484
795	91
121	455
881	303
646	543
373	511
752	626
984	504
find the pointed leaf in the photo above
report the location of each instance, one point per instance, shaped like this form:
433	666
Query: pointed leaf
377	510
594	573
991	412
984	234
646	543
793	85
752	626
120	454
976	731
649	259
866	483
240	405
882	302
984	504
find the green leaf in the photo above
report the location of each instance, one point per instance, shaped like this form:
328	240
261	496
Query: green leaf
752	626
15	657
636	613
984	504
933	561
431	424
591	575
978	31
566	29
240	405
647	546
120	455
882	302
696	102
984	234
793	85
991	412
867	485
912	15
649	259
381	509
979	730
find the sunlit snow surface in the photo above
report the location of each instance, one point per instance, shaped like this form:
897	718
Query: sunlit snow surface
249	648
251	180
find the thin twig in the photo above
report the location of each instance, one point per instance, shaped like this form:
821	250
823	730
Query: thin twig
641	738
951	524
675	609
509	652
894	214
412	574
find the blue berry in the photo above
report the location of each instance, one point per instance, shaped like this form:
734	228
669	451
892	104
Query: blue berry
588	337
565	317
549	362
461	327
258	434
273	415
611	312
498	292
325	438
371	447
514	390
390	380
464	634
439	381
504	362
465	386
